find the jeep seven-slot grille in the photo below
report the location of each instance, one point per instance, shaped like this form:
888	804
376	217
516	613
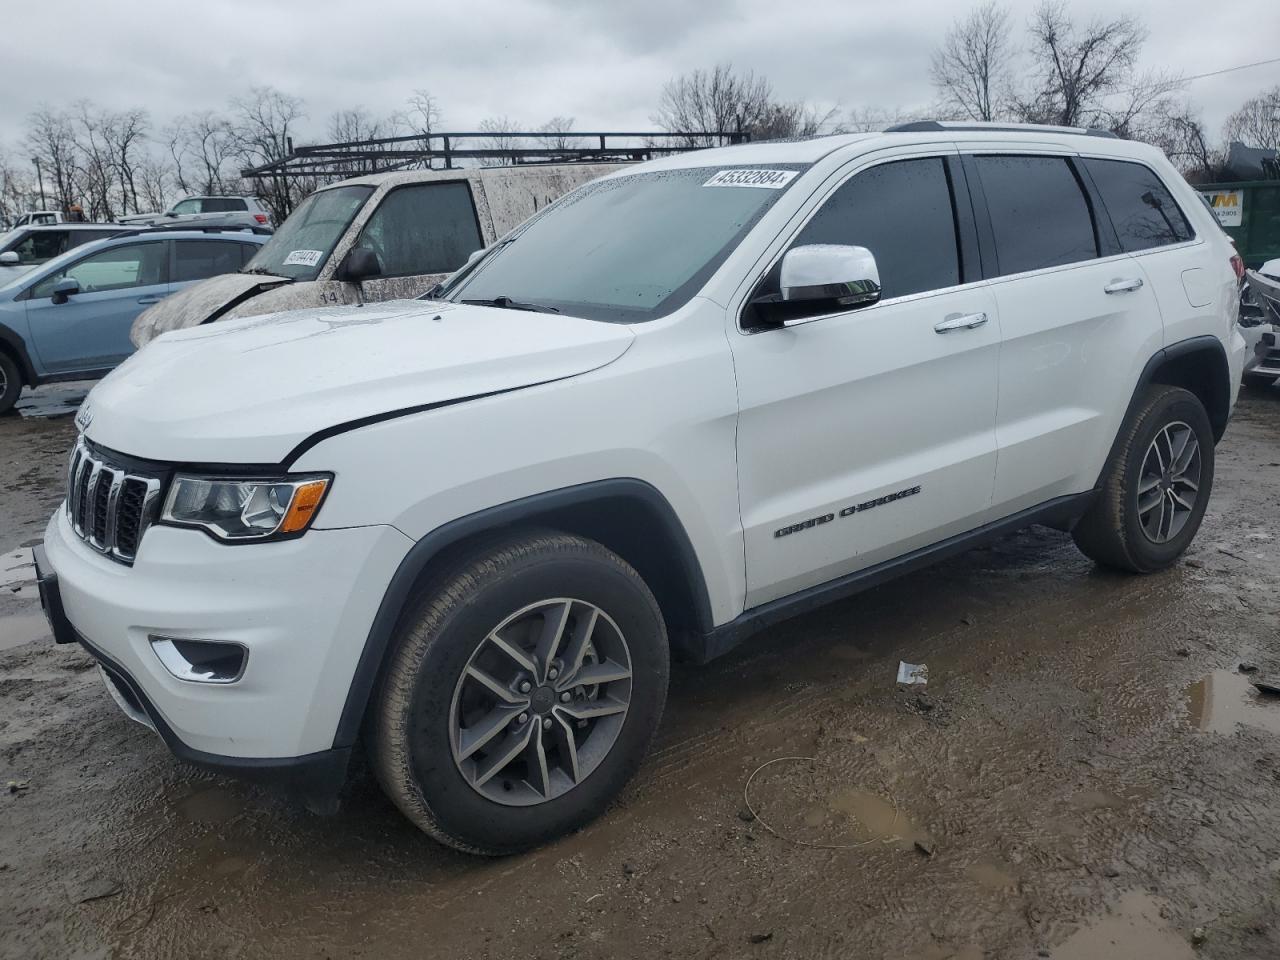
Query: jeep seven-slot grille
110	506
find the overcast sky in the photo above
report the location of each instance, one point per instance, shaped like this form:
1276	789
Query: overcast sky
598	61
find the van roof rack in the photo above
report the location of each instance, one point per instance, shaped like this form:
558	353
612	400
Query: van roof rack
470	148
936	126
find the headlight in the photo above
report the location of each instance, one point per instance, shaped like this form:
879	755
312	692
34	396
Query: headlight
245	509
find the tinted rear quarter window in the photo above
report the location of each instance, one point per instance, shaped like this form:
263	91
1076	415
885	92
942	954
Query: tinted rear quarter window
1039	214
222	205
1141	207
428	228
900	211
198	259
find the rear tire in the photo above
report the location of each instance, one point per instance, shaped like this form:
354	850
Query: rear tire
10	382
493	746
1155	489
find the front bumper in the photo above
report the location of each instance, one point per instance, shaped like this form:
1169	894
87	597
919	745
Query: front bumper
1262	358
302	608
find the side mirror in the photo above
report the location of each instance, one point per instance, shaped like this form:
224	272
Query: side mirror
358	265
65	288
830	276
9	258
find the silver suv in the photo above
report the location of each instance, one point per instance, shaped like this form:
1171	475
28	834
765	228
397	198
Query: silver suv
246	212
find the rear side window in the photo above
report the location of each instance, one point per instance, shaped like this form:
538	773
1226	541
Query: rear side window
1039	214
197	259
39	246
902	213
1142	209
427	228
222	205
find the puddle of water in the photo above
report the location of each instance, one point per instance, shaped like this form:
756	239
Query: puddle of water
1132	929
16	567
875	817
214	805
54	400
993	876
24	628
1223	699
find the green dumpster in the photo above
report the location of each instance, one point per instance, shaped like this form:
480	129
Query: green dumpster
1249	212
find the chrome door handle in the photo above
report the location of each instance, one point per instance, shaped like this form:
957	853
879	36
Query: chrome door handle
960	321
144	301
1123	286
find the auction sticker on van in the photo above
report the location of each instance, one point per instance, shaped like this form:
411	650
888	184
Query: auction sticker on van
304	258
768	179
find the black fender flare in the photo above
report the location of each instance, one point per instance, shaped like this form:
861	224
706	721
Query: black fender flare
527	510
11	342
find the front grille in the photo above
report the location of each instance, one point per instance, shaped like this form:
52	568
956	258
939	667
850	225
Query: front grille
110	506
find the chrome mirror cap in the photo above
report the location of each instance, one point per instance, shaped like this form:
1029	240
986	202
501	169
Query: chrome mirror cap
843	274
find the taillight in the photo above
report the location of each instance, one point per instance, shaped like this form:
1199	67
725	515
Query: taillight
1237	265
262	218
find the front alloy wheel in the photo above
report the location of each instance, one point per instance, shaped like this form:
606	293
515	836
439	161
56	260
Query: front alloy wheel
521	694
541	702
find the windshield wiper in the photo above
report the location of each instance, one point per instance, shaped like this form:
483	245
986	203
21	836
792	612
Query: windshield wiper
506	303
263	272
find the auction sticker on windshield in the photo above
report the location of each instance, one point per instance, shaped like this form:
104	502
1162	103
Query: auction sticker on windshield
304	258
768	179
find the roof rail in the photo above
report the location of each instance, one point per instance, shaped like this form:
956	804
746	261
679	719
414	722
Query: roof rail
934	126
127	230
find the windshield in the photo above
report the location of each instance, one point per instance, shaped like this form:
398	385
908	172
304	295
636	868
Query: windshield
630	248
304	241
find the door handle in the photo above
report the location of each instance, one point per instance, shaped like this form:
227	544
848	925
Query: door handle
145	301
1123	286
960	321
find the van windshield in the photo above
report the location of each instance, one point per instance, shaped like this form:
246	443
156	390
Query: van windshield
627	249
304	241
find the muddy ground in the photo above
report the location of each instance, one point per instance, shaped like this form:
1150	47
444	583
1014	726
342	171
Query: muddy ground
1088	776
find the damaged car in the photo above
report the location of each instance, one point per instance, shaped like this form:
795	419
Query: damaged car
379	237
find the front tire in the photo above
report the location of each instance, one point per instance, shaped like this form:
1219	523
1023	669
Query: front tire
1155	489
10	382
524	690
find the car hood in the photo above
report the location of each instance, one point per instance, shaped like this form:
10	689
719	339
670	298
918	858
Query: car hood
10	273
193	305
250	390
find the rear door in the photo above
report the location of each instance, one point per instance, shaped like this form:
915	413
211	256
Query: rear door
90	330
421	233
1078	322
865	434
195	260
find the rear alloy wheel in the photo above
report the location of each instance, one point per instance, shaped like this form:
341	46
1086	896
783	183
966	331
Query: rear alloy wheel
10	382
1155	489
523	691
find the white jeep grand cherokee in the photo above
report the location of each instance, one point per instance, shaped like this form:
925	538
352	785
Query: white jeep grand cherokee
679	404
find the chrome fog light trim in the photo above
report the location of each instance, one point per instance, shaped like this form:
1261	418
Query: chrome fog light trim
201	661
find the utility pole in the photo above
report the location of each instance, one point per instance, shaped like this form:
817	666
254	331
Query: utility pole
40	179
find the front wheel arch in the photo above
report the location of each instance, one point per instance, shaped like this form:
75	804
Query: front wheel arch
628	516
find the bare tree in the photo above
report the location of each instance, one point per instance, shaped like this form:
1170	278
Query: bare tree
96	172
497	132
973	69
421	116
202	147
782	121
51	141
1180	133
356	123
17	188
126	137
1140	109
1257	122
263	124
716	101
1076	66
555	134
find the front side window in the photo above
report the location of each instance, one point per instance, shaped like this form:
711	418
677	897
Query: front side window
39	246
1142	210
117	268
629	248
426	228
300	248
1039	214
901	212
197	259
191	205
